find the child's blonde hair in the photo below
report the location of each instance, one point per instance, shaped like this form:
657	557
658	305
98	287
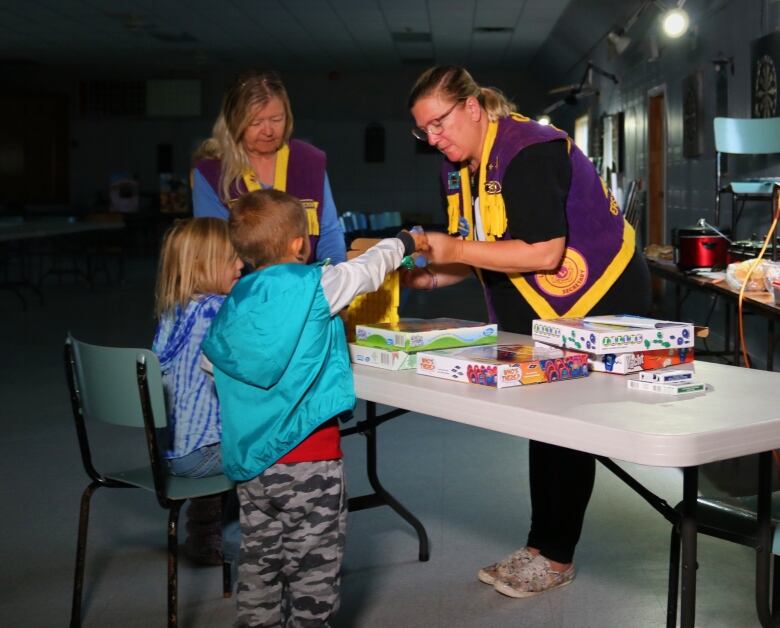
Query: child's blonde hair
263	223
194	254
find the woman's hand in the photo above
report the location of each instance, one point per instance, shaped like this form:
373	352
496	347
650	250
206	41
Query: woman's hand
504	256
444	249
420	240
431	277
419	278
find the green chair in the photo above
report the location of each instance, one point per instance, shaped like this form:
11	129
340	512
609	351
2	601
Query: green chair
123	387
745	136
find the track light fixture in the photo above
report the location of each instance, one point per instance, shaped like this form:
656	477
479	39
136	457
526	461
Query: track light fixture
619	40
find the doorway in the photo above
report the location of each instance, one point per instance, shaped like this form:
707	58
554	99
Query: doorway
656	176
34	149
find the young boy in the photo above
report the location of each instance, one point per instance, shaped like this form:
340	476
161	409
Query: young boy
283	379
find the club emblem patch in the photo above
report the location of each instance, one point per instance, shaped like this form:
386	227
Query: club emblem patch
493	187
571	276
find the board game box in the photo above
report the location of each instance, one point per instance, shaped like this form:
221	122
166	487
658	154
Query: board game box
636	361
600	335
503	366
389	359
417	334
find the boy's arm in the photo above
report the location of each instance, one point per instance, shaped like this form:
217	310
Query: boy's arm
345	281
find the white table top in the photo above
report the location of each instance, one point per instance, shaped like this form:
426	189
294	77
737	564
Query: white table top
599	415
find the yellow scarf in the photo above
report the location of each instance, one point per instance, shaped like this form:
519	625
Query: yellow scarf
492	210
280	183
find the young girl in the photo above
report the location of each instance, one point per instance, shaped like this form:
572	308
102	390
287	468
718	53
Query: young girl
198	267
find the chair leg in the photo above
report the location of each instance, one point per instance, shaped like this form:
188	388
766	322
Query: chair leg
229	503
173	548
81	550
227	584
674	579
776	588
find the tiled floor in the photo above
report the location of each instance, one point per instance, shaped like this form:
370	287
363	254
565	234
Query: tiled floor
468	486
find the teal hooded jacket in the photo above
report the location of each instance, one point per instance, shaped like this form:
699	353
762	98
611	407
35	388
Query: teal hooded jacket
281	366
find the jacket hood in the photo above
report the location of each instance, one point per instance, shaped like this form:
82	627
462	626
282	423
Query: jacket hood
246	340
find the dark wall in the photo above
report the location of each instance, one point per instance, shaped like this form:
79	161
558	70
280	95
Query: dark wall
722	30
332	110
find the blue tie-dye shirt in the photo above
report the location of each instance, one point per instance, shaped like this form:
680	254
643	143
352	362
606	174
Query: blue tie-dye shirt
193	409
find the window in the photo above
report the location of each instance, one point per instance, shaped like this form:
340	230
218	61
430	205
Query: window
581	126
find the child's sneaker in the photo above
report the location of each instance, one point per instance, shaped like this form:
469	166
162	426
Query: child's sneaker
508	564
534	577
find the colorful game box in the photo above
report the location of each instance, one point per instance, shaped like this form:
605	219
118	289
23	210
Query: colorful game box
417	334
636	361
613	334
503	366
382	358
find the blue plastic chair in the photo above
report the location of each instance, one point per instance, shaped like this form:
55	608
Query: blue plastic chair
744	136
123	387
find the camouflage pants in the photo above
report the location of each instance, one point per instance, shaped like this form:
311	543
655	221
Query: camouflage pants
293	522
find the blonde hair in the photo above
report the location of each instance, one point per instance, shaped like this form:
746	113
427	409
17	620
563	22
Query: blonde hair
454	83
249	89
263	223
193	257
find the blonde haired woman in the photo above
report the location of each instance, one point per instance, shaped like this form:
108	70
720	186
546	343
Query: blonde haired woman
546	238
251	149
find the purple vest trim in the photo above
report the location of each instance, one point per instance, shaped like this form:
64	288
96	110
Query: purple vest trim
595	225
305	178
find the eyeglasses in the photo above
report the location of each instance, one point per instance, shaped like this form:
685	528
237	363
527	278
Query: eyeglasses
434	127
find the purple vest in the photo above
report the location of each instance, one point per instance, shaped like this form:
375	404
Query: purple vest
305	179
595	250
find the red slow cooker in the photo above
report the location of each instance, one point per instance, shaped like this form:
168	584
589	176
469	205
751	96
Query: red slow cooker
700	247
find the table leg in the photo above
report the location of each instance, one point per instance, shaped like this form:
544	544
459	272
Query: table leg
764	537
736	336
674	579
677	301
381	497
688	539
727	328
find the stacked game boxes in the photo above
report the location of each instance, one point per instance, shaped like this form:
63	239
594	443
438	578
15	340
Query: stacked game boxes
620	344
396	345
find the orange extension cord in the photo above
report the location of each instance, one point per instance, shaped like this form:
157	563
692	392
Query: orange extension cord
753	266
743	347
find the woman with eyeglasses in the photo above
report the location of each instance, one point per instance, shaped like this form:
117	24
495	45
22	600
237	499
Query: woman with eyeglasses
251	149
527	213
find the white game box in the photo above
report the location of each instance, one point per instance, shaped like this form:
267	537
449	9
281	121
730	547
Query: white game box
600	335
